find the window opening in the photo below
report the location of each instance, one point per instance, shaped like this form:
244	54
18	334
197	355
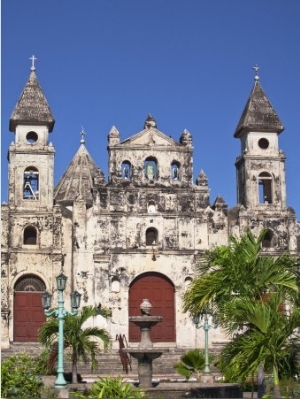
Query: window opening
175	171
267	241
126	170
263	143
30	236
151	237
150	166
31	137
31	184
265	188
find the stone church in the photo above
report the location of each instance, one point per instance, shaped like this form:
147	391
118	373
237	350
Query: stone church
137	233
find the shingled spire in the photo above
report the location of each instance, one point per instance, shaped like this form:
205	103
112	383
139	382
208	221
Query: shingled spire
259	114
77	181
32	107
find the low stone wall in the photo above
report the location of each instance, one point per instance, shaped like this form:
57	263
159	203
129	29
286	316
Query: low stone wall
165	390
178	390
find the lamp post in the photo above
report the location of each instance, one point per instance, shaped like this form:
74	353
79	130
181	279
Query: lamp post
206	327
60	313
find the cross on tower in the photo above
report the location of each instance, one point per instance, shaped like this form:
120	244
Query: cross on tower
256	68
82	133
33	58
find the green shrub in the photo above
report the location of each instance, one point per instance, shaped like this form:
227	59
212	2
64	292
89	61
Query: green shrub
42	363
111	387
19	377
192	362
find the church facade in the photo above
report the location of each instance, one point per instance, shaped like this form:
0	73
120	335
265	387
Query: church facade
140	232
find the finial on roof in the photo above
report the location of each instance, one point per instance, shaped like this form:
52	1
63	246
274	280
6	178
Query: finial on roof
82	133
150	122
256	69
33	58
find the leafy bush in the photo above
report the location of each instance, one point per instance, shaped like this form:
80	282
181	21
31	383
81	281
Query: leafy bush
42	364
19	377
192	362
111	387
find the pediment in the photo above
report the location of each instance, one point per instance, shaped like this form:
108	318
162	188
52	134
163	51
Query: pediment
150	137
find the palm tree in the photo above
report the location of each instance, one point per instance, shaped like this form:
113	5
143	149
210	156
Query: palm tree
83	341
268	339
192	362
240	270
234	280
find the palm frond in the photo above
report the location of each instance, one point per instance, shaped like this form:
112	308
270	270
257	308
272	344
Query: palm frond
84	341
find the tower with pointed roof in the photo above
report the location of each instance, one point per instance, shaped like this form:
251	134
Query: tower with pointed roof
260	167
31	236
31	156
261	183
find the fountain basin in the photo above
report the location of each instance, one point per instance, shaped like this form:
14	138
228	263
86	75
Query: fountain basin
145	354
145	323
144	357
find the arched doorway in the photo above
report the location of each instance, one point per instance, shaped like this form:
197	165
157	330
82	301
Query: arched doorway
28	312
160	291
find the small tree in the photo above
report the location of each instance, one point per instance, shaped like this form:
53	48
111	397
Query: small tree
236	279
84	342
192	362
268	339
19	377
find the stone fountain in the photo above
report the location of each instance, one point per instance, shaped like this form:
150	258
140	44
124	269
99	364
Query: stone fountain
145	353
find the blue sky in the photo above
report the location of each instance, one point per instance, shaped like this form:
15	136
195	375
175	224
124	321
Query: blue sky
187	62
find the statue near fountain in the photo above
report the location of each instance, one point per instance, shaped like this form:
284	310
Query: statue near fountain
145	353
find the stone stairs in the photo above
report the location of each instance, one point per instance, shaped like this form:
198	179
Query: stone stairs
109	363
32	348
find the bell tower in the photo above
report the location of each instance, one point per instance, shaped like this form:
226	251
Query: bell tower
261	165
31	156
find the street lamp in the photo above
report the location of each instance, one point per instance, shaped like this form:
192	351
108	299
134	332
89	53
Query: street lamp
60	313
206	327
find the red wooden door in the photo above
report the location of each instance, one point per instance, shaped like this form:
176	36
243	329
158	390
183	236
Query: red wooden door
160	292
28	316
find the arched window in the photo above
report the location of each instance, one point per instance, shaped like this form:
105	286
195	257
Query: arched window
126	170
30	236
151	236
175	170
31	183
150	167
268	240
265	188
30	282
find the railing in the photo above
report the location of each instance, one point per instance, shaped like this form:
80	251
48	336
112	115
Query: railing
125	357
